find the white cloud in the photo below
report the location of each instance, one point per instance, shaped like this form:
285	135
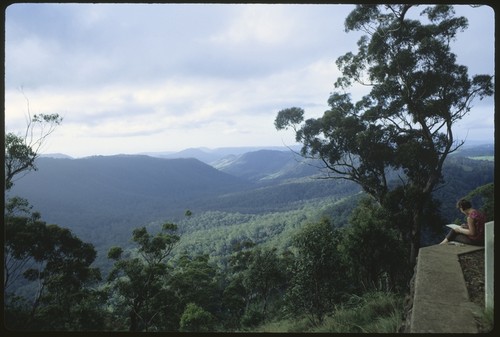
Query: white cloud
138	78
257	25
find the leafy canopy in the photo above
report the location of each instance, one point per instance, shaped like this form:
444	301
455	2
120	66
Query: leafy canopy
396	138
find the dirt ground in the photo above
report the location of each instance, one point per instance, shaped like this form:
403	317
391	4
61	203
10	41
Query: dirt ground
473	269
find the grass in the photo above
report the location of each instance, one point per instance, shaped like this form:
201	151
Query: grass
376	312
486	321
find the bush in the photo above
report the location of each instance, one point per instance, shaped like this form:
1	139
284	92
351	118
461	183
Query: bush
376	312
252	317
196	319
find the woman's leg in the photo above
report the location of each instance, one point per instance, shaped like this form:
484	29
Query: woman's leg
462	239
454	236
451	235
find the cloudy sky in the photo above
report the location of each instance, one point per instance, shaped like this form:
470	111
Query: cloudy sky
165	77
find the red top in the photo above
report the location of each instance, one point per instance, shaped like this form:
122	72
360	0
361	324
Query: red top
479	220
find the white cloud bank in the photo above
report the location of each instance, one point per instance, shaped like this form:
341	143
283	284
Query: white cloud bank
140	78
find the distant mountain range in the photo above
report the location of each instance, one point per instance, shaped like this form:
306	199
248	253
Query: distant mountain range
213	156
102	198
485	150
203	154
132	190
210	156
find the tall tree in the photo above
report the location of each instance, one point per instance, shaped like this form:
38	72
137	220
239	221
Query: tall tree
318	274
56	262
404	125
194	282
236	297
264	275
139	281
373	251
486	194
22	150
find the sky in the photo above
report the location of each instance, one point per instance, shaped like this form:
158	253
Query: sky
135	78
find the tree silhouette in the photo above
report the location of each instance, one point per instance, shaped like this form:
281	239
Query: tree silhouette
402	130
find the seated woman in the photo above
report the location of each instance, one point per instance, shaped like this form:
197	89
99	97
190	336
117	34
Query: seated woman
472	232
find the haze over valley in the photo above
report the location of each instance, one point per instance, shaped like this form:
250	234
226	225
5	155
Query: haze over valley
234	194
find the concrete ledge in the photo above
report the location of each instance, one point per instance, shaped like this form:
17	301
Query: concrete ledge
489	257
441	301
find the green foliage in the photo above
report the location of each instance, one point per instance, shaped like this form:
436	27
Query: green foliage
19	157
195	319
252	317
486	194
486	321
288	118
374	312
463	176
234	303
318	277
264	274
194	280
22	151
154	249
137	283
115	253
376	256
256	280
404	124
57	266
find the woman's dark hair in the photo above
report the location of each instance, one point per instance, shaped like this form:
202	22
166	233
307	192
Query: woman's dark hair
464	204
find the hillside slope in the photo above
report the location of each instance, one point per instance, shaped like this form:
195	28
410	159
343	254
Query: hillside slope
267	165
102	199
101	191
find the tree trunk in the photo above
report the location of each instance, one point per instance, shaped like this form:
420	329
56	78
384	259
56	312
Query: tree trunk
415	233
134	325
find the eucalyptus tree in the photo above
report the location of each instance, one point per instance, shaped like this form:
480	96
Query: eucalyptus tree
138	281
264	276
373	252
22	150
194	284
486	194
55	264
404	125
318	274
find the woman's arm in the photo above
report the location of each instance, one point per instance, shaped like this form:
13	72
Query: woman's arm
470	230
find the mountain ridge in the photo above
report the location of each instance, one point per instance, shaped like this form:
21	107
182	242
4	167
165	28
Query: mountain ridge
119	188
103	198
221	152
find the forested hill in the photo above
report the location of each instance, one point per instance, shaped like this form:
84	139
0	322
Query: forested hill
104	190
117	189
103	198
101	177
267	165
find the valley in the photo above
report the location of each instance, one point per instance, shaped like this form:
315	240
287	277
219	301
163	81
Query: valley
263	195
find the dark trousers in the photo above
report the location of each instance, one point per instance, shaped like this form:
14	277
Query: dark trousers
462	238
